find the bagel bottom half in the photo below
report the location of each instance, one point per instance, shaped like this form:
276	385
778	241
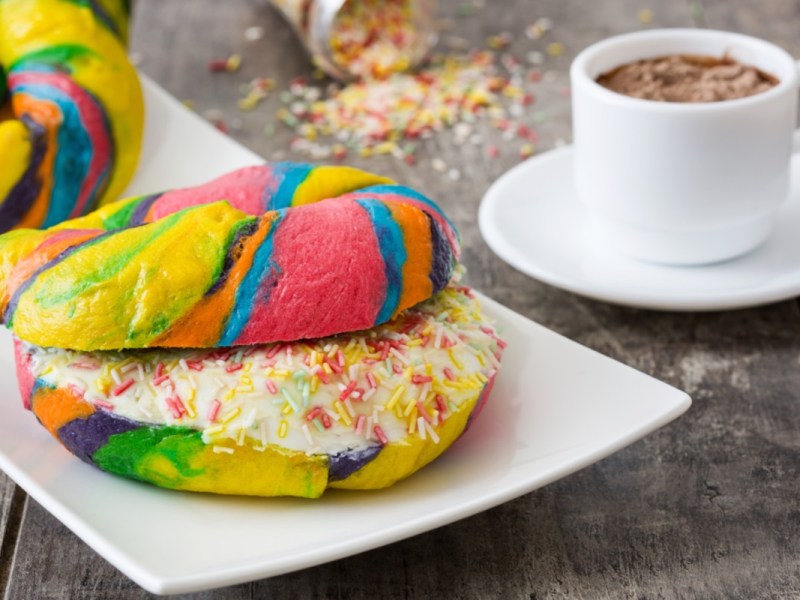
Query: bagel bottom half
355	411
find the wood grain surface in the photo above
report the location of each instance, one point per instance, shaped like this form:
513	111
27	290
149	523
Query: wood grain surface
707	507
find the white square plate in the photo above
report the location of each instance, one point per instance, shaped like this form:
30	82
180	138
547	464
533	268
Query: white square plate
557	407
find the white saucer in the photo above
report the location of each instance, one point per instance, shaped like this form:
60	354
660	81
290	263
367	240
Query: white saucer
531	217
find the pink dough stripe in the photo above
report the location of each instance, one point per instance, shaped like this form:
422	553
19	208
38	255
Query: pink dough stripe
308	257
242	189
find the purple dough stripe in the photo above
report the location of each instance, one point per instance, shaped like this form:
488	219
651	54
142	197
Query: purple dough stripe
141	210
344	464
84	437
442	263
24	193
244	232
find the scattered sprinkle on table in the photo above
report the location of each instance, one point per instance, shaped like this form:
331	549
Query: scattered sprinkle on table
229	65
391	116
252	34
394	113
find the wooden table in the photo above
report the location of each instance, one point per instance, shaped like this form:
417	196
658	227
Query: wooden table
706	507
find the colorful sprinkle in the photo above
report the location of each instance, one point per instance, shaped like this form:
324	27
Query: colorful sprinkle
378	430
121	388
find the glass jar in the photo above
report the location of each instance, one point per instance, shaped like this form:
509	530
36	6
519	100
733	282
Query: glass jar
394	34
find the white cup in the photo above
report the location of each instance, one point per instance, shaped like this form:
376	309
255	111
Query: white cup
682	183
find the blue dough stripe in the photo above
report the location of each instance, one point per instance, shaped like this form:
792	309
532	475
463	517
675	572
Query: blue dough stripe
292	176
246	296
393	252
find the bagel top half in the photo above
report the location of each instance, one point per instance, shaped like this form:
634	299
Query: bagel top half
277	252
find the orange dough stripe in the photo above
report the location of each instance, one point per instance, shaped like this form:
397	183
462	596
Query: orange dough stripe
202	327
57	407
416	230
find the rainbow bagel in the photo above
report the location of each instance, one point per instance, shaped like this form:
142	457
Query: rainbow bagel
71	133
357	411
294	252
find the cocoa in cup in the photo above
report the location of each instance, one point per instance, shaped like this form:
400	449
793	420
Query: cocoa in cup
687	78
